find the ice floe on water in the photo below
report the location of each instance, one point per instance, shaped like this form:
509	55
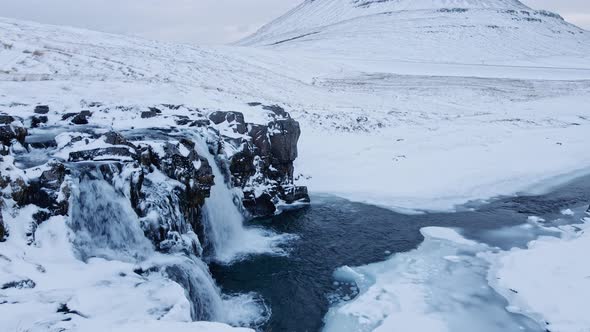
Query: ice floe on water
529	277
440	286
549	280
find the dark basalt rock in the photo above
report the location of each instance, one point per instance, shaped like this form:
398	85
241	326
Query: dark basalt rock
220	116
9	132
50	143
182	168
200	123
36	121
6	119
78	118
153	112
278	111
259	206
234	119
41	109
284	135
295	194
148	114
110	153
20	191
259	134
183	121
81	118
115	138
3	231
64	309
264	158
68	115
20	284
45	192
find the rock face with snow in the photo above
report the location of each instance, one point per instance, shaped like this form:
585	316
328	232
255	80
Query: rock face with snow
159	170
262	161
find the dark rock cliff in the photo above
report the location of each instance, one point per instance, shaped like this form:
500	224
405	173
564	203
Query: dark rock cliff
262	162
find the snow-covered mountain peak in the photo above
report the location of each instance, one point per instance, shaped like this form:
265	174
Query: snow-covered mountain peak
397	5
455	31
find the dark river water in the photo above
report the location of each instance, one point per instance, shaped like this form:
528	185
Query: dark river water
334	232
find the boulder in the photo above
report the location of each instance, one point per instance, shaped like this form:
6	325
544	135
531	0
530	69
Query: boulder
9	132
6	119
19	284
36	121
47	192
81	118
234	119
278	111
115	138
284	135
41	109
148	114
259	206
153	112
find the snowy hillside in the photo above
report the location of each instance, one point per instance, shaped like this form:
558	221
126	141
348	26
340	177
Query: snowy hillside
426	109
424	31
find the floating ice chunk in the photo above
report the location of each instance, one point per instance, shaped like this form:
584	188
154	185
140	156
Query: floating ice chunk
567	212
535	219
446	234
557	266
348	275
427	289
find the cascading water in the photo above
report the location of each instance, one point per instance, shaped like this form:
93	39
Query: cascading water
224	223
104	222
106	226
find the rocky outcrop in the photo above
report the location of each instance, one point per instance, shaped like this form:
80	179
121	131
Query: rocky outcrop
159	170
261	160
11	129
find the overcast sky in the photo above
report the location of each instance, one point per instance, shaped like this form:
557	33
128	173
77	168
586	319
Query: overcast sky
197	21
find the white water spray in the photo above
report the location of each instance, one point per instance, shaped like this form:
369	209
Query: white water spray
224	223
105	225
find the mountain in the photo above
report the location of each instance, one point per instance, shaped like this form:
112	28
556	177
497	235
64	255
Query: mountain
442	31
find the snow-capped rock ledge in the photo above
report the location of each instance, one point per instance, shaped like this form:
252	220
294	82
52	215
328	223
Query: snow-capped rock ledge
135	192
256	157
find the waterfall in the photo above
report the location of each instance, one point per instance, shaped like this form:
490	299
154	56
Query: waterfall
224	223
104	222
193	275
105	225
